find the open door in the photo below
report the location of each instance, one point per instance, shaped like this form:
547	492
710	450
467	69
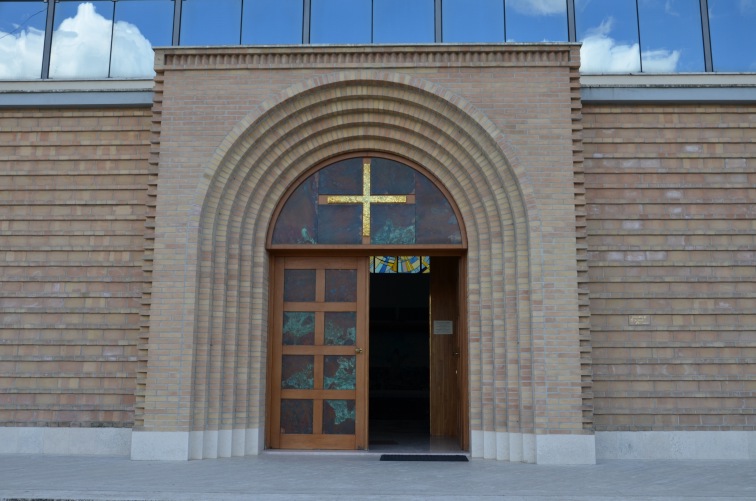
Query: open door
318	359
399	361
447	368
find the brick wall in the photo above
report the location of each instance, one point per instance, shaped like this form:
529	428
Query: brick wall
670	194
72	202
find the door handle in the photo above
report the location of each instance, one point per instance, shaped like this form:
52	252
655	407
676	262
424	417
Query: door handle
358	350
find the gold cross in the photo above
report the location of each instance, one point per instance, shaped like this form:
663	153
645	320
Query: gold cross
366	199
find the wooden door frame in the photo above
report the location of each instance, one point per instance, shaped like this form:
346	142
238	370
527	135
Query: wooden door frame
464	360
464	426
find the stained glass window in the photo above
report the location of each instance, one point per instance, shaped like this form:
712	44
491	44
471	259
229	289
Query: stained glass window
400	264
339	417
367	201
296	416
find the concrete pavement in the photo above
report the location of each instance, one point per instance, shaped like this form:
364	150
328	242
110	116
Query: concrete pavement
281	476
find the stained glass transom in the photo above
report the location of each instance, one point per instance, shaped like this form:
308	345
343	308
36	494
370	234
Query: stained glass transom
400	264
367	201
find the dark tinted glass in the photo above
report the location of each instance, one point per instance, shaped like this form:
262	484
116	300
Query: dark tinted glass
392	224
436	221
272	22
297	223
338	417
342	178
297	372
404	207
609	32
340	286
340	328
484	23
210	22
139	26
403	21
339	372
81	40
22	36
299	285
733	35
298	328
296	417
670	33
341	21
388	177
536	20
339	224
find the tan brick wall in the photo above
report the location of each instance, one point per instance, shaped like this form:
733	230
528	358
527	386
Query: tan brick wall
238	126
72	195
672	233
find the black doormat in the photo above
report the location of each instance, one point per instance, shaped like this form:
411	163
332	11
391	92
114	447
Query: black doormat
423	457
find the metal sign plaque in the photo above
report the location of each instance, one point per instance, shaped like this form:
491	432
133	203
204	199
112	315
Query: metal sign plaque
443	327
638	320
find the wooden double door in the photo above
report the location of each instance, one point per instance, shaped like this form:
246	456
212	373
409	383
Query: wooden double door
319	358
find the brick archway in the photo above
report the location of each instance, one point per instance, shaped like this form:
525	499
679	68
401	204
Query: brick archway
357	112
225	309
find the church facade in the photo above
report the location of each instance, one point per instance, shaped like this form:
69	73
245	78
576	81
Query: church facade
595	298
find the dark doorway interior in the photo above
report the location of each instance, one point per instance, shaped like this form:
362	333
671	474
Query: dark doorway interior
399	390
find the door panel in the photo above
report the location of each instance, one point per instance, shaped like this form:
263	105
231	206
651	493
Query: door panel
319	354
445	347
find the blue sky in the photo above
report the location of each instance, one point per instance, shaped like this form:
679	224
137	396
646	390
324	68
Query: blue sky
670	34
733	30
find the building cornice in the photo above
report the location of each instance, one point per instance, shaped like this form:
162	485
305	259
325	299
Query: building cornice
681	88
76	93
366	56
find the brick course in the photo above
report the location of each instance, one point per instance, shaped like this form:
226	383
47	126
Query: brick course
670	193
72	205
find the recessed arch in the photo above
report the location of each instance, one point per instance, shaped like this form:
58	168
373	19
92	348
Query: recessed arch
348	113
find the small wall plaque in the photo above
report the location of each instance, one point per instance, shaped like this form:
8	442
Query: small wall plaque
638	320
443	327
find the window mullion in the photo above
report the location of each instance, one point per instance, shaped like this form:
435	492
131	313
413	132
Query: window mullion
708	60
306	21
571	30
47	47
177	5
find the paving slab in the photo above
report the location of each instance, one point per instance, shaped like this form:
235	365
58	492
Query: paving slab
323	477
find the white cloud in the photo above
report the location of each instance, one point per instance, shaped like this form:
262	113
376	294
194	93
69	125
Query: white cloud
81	45
132	53
21	54
660	61
602	54
80	49
538	7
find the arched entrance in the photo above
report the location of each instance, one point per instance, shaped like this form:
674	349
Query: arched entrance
367	340
212	310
